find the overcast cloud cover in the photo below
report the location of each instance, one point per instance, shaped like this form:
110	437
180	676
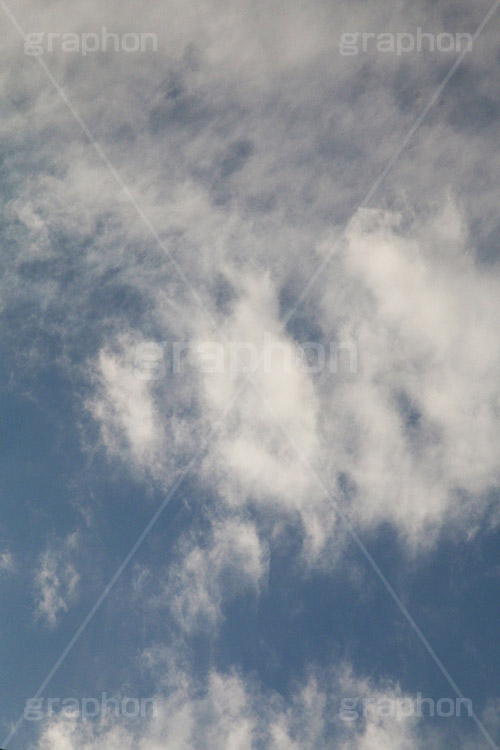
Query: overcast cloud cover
275	542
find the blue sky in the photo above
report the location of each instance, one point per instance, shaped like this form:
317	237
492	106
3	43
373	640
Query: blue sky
329	527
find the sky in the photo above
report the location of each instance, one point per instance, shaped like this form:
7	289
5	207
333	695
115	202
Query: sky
250	375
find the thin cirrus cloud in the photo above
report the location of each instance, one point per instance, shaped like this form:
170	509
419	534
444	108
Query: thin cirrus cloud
231	712
56	582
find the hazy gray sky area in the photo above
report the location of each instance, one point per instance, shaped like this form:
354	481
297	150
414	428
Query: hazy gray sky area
250	360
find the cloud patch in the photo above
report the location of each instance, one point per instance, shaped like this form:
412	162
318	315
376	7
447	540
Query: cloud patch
56	582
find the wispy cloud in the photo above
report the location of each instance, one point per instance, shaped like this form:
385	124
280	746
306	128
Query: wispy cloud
56	581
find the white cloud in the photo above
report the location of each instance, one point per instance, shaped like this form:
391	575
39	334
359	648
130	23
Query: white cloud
250	459
56	581
7	562
124	406
228	712
416	430
233	561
